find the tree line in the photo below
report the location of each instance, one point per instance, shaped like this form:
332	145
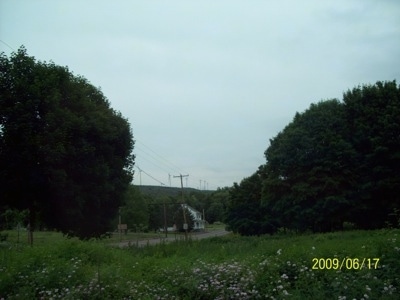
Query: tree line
144	212
66	162
336	163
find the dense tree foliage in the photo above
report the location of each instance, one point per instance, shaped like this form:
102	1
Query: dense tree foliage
216	204
12	218
167	210
64	153
135	211
245	212
162	210
308	171
373	120
182	216
336	162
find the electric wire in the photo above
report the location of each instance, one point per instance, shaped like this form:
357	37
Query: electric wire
8	45
162	159
164	164
141	170
151	160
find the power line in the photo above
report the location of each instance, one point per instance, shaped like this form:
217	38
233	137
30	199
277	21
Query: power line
141	170
163	164
157	160
159	164
151	162
7	45
161	159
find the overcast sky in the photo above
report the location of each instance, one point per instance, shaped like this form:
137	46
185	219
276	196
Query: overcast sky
206	84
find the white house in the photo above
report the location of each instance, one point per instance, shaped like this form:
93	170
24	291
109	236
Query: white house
198	222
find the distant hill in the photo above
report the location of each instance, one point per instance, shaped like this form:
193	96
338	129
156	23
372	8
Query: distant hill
160	191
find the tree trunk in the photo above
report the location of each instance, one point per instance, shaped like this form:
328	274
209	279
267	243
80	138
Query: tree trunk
31	225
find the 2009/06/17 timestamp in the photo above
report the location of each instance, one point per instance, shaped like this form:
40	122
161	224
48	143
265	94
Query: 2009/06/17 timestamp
345	263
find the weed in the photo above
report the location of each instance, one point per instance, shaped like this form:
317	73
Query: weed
230	267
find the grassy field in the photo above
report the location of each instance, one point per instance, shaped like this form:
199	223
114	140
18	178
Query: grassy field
341	265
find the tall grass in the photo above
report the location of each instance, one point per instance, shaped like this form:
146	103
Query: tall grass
229	267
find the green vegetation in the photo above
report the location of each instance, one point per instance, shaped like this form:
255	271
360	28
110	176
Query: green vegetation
65	154
335	163
145	207
230	267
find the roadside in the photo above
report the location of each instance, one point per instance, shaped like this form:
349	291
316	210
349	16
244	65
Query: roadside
171	238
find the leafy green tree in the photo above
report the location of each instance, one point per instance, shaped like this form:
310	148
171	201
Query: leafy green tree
215	212
156	216
64	152
373	118
338	162
11	218
162	209
216	204
135	212
179	219
245	213
308	174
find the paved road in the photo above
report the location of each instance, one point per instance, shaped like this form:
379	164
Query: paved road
172	237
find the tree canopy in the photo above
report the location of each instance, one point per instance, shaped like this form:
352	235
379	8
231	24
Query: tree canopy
336	162
245	213
135	211
307	170
65	154
373	120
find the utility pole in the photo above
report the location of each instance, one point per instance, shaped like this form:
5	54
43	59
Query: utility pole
119	222
185	225
165	220
204	220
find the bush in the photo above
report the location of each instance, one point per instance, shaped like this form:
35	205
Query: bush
3	237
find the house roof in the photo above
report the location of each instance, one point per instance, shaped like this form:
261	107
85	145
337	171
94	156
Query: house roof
191	208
